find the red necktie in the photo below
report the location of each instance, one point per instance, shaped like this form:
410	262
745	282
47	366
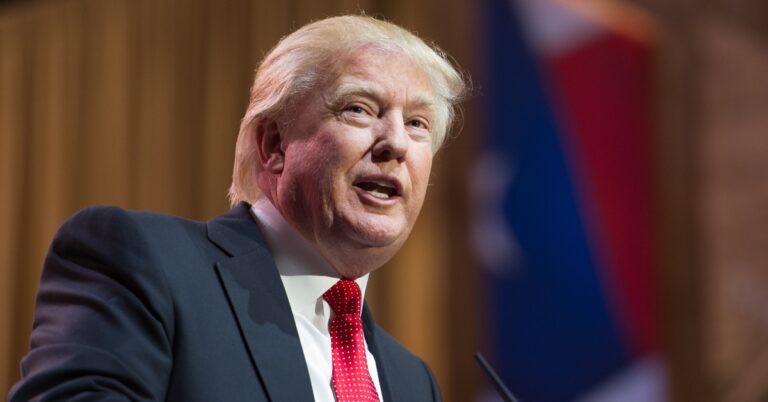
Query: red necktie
351	379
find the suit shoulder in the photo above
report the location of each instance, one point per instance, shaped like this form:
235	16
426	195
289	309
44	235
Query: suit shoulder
104	316
116	215
122	236
115	221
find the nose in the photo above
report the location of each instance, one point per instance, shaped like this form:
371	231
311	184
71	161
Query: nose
391	140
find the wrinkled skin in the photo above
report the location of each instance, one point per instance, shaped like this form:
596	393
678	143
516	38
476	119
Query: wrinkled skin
348	167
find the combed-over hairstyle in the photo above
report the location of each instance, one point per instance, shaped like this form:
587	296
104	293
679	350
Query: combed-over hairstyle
300	60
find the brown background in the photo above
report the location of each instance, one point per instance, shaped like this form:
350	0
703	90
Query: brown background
712	152
137	103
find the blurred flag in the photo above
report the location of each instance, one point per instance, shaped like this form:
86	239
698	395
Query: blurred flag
563	195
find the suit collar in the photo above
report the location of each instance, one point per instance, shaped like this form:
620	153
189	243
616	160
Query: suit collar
394	377
370	330
252	285
260	305
236	232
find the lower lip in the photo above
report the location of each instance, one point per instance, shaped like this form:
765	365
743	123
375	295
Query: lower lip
370	199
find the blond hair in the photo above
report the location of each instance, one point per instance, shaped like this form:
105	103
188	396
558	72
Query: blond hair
296	64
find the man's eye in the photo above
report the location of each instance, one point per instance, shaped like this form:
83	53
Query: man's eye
356	109
417	124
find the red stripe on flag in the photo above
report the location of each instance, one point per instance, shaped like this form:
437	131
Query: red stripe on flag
602	91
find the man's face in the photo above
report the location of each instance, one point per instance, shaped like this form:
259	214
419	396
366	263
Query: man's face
357	157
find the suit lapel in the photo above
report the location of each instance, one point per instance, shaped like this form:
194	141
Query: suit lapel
383	363
258	300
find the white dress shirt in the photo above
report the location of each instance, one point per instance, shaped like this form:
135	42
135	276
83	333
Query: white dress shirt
306	275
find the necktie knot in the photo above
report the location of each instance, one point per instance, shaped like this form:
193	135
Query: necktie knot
344	297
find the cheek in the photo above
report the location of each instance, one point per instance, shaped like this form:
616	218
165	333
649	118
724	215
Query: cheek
324	164
420	171
314	158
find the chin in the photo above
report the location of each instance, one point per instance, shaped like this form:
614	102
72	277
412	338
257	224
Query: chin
378	232
358	250
377	239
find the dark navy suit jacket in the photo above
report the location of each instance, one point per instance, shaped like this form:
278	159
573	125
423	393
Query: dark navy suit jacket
136	306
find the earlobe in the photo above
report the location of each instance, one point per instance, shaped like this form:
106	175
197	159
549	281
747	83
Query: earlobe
270	145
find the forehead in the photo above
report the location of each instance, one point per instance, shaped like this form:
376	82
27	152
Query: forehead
381	72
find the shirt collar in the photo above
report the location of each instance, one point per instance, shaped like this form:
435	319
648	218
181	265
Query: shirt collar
305	274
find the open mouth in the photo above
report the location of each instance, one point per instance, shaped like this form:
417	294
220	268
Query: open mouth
382	189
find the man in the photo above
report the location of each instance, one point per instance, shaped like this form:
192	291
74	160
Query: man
263	303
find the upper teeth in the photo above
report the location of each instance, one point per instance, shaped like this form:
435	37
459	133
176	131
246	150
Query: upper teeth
384	183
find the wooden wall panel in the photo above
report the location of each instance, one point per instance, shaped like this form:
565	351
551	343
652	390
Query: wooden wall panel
733	209
12	78
710	150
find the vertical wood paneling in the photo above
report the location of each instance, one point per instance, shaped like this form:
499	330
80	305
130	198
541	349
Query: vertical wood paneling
106	96
188	42
676	175
228	76
155	148
269	23
734	194
12	76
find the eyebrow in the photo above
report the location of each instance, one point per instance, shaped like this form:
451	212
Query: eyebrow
356	88
374	91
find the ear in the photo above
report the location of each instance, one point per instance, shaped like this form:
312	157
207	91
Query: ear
269	144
